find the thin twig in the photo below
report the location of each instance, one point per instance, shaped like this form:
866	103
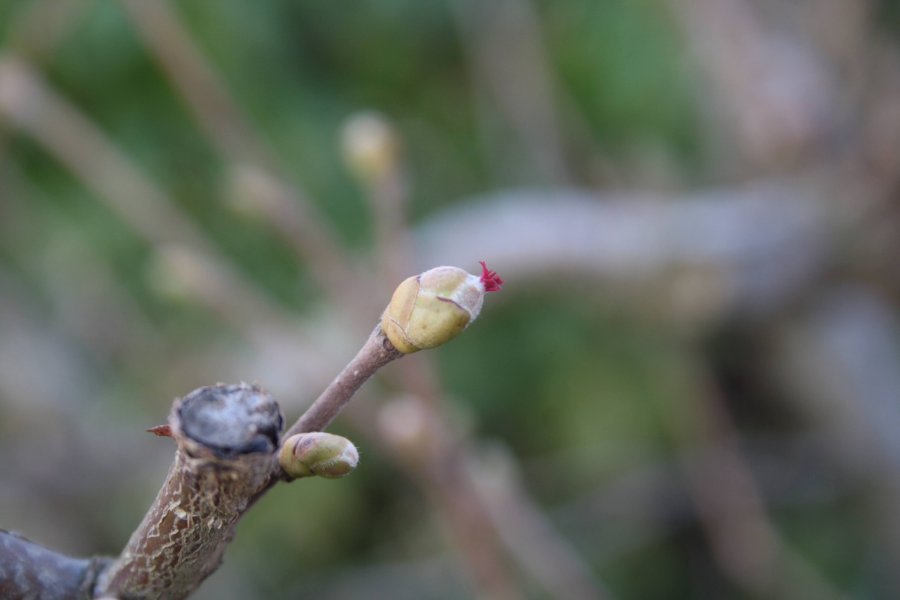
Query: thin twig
293	216
743	539
503	44
66	133
375	353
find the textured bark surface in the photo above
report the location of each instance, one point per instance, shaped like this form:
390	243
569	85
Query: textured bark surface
227	438
28	570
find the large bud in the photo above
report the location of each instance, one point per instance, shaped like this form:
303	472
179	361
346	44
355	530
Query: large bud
434	307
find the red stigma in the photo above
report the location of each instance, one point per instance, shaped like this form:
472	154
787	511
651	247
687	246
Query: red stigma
490	279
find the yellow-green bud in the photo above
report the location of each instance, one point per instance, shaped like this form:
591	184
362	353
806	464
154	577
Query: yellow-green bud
318	453
432	308
370	146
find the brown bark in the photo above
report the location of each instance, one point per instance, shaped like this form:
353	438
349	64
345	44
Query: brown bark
227	438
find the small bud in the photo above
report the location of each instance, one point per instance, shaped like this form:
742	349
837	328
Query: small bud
370	146
406	425
432	308
180	273
161	431
318	453
253	192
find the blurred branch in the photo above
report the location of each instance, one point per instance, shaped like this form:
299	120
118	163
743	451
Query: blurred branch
28	570
37	28
67	134
29	103
503	41
294	217
772	92
424	444
35	31
745	542
743	250
841	363
527	533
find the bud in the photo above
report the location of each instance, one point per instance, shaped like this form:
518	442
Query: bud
254	193
370	146
318	453
180	273
432	308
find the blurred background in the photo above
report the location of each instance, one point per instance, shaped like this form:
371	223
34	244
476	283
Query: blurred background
688	388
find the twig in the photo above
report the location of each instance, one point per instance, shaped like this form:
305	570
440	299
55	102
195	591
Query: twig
746	544
509	66
291	213
67	134
839	363
525	530
773	92
375	353
28	570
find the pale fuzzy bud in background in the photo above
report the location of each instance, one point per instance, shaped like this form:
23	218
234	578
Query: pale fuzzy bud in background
318	453
179	273
432	308
405	424
370	147
253	192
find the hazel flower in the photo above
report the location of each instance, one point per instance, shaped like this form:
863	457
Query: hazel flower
432	308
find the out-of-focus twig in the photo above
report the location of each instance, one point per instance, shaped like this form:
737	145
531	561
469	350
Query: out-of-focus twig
840	362
67	134
35	31
28	570
752	247
504	45
772	92
526	531
38	27
746	544
224	123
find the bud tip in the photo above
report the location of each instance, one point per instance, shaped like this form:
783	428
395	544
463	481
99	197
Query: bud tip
492	282
161	431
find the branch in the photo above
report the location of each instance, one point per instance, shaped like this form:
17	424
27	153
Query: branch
228	442
375	353
28	570
226	436
229	452
292	214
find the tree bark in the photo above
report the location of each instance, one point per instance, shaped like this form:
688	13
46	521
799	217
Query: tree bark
227	437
